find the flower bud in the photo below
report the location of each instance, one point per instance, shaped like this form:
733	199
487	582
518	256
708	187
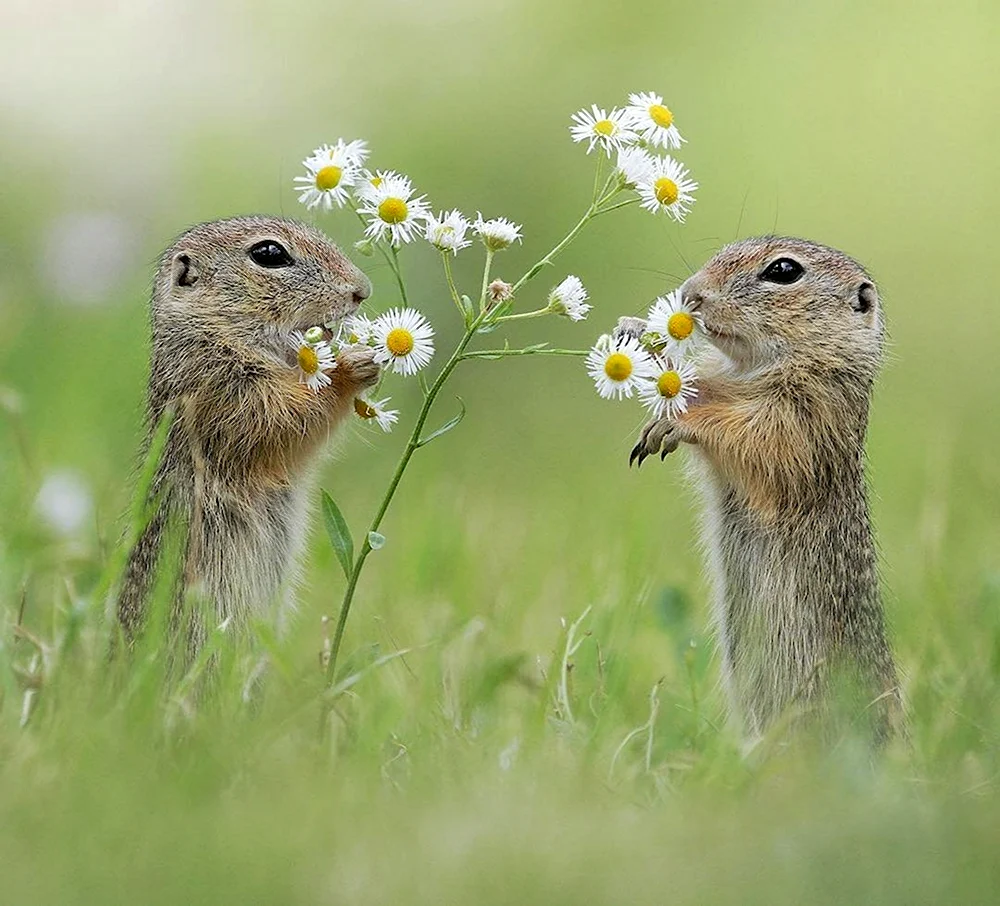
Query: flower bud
314	335
499	291
365	247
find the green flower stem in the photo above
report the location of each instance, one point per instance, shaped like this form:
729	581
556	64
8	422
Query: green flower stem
537	313
566	240
597	178
412	445
504	353
394	264
486	281
455	295
614	207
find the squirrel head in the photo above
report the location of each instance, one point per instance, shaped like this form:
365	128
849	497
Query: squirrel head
249	279
774	300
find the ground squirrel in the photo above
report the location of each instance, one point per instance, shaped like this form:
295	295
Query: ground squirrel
246	433
778	432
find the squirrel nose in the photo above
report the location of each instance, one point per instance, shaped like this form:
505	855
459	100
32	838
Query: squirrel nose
691	294
362	290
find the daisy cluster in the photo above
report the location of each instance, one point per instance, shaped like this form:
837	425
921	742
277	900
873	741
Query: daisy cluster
634	134
403	341
659	366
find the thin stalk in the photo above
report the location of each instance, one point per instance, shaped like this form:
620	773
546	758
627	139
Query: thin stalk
394	264
537	313
486	280
504	353
614	207
412	445
455	295
566	240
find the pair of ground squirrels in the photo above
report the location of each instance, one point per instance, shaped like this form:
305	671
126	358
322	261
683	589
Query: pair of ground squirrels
246	435
777	433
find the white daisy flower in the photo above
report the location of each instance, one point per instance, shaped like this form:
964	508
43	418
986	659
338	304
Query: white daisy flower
635	165
652	120
569	298
446	232
376	409
671	388
392	210
674	325
612	131
368	181
312	361
618	366
668	189
498	233
331	171
356	331
403	340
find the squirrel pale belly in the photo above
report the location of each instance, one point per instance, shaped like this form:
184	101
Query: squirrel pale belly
778	433
246	433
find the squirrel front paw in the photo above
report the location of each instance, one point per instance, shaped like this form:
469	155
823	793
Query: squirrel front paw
357	365
662	435
629	327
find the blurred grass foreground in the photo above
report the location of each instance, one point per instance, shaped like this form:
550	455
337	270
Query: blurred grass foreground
471	769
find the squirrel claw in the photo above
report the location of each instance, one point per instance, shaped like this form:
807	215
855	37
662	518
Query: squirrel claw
662	436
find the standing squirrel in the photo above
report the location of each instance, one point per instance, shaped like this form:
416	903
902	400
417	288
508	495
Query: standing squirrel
246	433
778	431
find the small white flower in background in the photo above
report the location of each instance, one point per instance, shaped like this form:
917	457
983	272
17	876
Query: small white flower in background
392	210
331	171
403	340
312	360
64	502
446	232
569	298
635	165
611	131
376	409
674	324
356	331
671	388
356	151
652	120
668	188
618	366
497	234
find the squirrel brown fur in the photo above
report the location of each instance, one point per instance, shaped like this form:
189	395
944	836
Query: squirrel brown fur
777	432
246	434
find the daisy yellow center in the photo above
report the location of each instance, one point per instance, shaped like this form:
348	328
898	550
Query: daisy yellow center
308	360
604	127
328	178
660	115
393	210
363	409
376	181
399	341
618	366
665	190
669	384
680	326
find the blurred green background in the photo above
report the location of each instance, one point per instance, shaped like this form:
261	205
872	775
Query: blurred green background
868	126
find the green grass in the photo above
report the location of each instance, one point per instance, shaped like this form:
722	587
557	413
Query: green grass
455	773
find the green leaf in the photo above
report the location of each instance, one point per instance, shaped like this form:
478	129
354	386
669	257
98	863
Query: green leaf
376	541
339	533
445	428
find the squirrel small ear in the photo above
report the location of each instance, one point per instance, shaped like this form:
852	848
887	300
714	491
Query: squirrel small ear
866	298
184	272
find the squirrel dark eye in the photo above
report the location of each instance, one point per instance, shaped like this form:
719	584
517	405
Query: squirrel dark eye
782	270
269	253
